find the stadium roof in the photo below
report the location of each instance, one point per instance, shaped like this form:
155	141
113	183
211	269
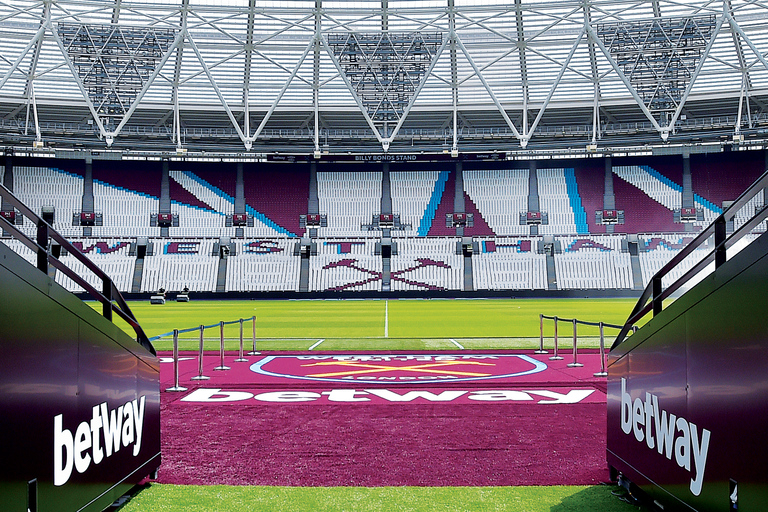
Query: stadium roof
306	76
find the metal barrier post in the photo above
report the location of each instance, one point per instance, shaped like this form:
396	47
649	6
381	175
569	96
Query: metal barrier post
541	336
241	359
200	375
574	364
221	351
555	357
253	352
176	386
602	372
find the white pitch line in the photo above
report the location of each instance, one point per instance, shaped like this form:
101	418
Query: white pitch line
456	343
316	344
386	319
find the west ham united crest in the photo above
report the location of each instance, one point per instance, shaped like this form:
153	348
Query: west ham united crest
400	368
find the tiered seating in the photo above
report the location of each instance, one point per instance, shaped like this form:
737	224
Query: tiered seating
264	265
196	269
345	264
427	264
509	264
350	199
500	195
594	262
558	197
411	193
116	263
276	198
125	212
40	186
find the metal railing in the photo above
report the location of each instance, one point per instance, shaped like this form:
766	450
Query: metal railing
109	296
574	322
175	333
654	294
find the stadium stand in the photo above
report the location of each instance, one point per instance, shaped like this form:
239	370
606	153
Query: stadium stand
427	264
509	264
110	256
276	200
180	263
593	262
350	199
263	265
268	258
500	195
415	195
39	187
345	264
559	197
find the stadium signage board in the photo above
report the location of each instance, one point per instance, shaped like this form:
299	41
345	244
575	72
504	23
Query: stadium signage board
402	157
399	368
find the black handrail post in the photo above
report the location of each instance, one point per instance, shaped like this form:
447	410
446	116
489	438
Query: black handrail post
656	294
720	235
106	307
42	250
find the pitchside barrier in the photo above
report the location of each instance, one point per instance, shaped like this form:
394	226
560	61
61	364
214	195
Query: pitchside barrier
575	322
175	333
201	329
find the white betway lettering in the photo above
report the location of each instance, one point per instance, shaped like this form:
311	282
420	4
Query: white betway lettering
668	434
118	428
216	395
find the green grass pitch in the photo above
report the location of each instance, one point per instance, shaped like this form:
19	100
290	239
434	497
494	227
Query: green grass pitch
382	325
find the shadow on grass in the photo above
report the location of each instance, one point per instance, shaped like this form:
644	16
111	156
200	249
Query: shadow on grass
123	500
605	498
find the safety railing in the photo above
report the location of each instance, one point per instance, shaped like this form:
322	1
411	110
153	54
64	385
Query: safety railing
654	294
110	298
575	322
200	355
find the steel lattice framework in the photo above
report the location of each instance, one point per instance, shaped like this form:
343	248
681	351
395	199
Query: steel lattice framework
321	76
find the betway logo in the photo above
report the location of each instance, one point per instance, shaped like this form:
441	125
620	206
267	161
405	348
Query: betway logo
117	428
216	395
667	433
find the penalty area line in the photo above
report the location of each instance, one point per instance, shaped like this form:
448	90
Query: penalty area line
456	343
316	344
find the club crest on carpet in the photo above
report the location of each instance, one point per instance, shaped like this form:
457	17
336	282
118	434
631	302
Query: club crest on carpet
399	368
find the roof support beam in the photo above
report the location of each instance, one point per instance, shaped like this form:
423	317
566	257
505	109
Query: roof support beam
247	65
557	82
671	126
523	140
664	132
355	97
521	47
408	107
454	78
316	74
272	108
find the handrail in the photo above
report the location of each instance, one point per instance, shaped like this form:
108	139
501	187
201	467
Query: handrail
653	296
109	292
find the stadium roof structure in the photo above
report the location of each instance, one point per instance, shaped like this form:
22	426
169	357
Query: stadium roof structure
256	77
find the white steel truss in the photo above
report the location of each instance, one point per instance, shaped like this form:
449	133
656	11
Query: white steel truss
379	75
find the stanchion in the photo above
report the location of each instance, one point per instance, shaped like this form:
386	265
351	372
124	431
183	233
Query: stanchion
574	364
602	372
200	375
541	336
176	386
555	357
253	352
221	351
241	359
